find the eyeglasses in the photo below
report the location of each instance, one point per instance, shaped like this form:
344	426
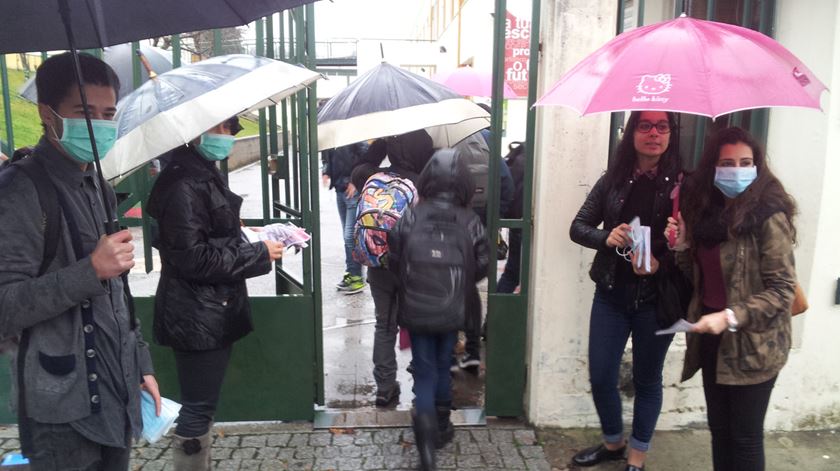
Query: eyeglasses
662	127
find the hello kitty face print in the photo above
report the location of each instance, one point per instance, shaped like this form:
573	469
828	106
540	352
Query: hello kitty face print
651	88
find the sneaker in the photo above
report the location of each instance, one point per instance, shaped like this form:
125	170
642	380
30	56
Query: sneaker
355	284
344	283
388	397
470	361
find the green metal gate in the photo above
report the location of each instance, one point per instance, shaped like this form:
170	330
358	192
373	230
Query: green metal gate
276	372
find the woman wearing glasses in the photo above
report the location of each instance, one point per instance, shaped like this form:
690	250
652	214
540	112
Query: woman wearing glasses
736	240
638	183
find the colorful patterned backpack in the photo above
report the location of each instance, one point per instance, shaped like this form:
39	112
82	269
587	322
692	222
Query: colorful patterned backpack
384	198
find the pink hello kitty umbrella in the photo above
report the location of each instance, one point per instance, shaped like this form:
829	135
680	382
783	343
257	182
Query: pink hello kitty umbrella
688	66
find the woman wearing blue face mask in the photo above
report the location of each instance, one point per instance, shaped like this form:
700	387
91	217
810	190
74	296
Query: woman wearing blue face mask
201	305
735	239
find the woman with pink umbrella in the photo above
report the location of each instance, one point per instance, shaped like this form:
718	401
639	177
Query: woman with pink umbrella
637	185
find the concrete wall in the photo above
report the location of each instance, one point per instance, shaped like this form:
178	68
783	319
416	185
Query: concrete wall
803	146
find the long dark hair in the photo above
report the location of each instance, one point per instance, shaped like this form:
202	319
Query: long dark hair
624	160
701	200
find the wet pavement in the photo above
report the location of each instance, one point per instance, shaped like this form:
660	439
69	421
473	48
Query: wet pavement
348	320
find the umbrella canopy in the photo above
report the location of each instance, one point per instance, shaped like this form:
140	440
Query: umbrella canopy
28	25
120	59
388	101
690	66
471	82
181	104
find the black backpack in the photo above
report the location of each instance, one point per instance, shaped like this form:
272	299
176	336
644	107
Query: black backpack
436	265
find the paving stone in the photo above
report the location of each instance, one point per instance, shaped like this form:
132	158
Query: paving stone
343	439
154	465
228	465
244	453
531	452
278	439
371	450
469	461
480	435
304	453
537	465
216	453
350	451
513	461
327	452
250	465
363	438
492	459
382	437
254	441
446	460
226	442
267	453
468	449
324	464
374	462
320	439
299	439
301	465
350	464
501	436
274	465
149	453
524	437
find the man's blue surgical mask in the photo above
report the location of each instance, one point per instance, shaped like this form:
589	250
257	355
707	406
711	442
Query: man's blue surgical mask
215	147
732	181
76	141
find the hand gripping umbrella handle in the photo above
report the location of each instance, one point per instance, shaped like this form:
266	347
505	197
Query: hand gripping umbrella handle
675	210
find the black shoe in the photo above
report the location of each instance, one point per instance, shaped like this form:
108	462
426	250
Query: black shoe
425	435
597	454
446	431
388	397
470	362
630	467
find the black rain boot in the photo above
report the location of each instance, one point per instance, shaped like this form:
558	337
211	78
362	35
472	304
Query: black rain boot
446	431
425	435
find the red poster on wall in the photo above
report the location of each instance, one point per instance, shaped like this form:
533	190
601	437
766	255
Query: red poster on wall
517	51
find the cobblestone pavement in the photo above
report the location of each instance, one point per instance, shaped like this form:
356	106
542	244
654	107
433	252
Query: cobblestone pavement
298	447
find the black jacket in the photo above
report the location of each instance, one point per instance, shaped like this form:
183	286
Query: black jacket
201	301
603	205
407	153
446	186
339	163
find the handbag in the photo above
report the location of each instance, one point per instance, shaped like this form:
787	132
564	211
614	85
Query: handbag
674	291
800	302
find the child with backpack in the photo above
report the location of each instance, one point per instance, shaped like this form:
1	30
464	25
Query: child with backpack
438	251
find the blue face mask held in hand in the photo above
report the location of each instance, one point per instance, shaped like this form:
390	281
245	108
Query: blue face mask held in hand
732	181
215	147
155	427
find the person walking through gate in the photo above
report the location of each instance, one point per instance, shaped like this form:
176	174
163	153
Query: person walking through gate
735	239
408	154
201	305
438	252
638	183
81	359
338	163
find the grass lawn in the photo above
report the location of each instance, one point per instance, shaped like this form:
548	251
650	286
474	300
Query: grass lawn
25	121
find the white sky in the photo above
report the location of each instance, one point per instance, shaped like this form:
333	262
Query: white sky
366	19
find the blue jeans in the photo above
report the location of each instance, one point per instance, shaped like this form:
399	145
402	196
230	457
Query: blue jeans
431	355
611	323
347	214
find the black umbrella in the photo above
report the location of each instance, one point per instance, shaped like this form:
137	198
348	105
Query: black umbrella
388	101
45	25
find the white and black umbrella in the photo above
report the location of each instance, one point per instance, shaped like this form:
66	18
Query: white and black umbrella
179	105
388	101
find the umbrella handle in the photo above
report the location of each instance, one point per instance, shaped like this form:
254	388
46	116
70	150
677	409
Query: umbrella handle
146	64
675	210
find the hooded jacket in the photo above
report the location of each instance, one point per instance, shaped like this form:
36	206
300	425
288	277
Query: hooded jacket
201	301
444	185
407	153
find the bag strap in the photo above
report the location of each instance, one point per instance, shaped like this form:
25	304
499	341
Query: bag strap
48	199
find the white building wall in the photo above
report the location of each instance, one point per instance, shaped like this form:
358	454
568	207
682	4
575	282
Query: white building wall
804	147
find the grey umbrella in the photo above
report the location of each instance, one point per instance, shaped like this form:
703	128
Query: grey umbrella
388	101
119	57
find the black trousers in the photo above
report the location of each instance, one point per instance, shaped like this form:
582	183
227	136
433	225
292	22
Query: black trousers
200	375
736	416
61	447
472	329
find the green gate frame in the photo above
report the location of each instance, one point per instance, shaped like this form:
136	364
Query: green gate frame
507	314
